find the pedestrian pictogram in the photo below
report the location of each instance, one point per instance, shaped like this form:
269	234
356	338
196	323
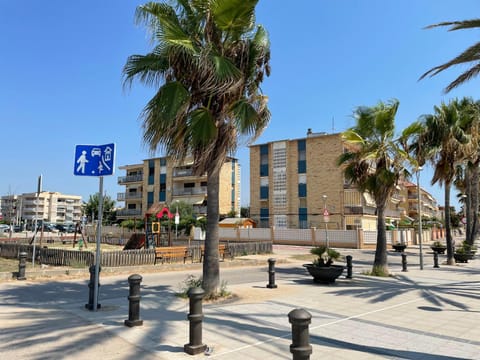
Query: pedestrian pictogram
94	160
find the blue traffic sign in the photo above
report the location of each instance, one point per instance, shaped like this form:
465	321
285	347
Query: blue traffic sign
94	160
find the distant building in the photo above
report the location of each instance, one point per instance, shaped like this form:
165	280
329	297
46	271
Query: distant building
162	181
50	206
428	206
293	182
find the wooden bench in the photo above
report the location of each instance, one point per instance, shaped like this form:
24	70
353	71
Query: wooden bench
172	252
222	250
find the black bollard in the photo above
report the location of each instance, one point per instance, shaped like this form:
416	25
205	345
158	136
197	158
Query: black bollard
134	301
349	266
300	347
22	264
91	286
271	274
404	262
195	317
435	259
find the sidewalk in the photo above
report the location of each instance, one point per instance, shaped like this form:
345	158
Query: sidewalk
418	314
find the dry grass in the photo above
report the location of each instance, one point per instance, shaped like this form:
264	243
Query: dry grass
8	265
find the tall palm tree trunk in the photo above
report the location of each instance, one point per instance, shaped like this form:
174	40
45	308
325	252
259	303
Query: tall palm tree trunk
211	267
380	264
467	205
448	228
474	203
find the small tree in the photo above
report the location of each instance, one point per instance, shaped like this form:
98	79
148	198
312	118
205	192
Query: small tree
90	208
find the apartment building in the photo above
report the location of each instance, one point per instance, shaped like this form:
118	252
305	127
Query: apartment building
163	181
48	206
428	206
292	182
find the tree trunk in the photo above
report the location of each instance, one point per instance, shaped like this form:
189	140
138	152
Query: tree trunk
467	202
380	264
474	203
211	267
448	230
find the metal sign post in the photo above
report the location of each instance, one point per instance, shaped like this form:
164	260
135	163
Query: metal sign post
39	190
99	234
95	160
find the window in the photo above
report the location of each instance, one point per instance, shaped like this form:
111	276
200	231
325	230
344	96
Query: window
302	190
264	160
151	172
264	192
163	178
150	198
162	196
302	218
302	166
264	217
264	170
302	156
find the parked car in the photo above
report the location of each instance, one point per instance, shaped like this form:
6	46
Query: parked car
4	228
48	228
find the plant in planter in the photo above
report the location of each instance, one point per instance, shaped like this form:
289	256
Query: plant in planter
438	247
461	255
322	269
399	247
465	252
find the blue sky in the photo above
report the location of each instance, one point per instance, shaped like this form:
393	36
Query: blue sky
61	83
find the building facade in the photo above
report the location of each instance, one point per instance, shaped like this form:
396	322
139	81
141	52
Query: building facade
298	184
48	206
428	207
163	181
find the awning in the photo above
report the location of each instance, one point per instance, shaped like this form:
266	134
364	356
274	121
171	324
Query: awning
369	199
194	200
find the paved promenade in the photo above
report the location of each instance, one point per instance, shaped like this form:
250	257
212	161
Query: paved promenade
418	314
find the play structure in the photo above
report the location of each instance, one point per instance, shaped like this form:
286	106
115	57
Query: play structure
154	235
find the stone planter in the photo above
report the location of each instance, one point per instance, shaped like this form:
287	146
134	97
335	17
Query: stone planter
439	249
462	257
399	247
324	274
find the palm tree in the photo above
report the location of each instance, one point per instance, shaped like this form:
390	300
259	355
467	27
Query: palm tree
207	65
469	56
448	142
470	167
373	161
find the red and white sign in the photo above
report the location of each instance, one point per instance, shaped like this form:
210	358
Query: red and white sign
326	215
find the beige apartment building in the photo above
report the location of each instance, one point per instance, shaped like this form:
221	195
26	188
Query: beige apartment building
428	207
48	206
161	181
293	182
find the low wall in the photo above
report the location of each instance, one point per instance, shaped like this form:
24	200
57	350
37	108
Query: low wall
76	258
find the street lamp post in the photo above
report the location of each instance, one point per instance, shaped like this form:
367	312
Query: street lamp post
419	217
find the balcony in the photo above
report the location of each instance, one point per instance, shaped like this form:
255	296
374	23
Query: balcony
129	196
129	212
185	172
359	210
190	191
130	179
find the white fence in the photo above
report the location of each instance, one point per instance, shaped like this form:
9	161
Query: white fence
355	239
